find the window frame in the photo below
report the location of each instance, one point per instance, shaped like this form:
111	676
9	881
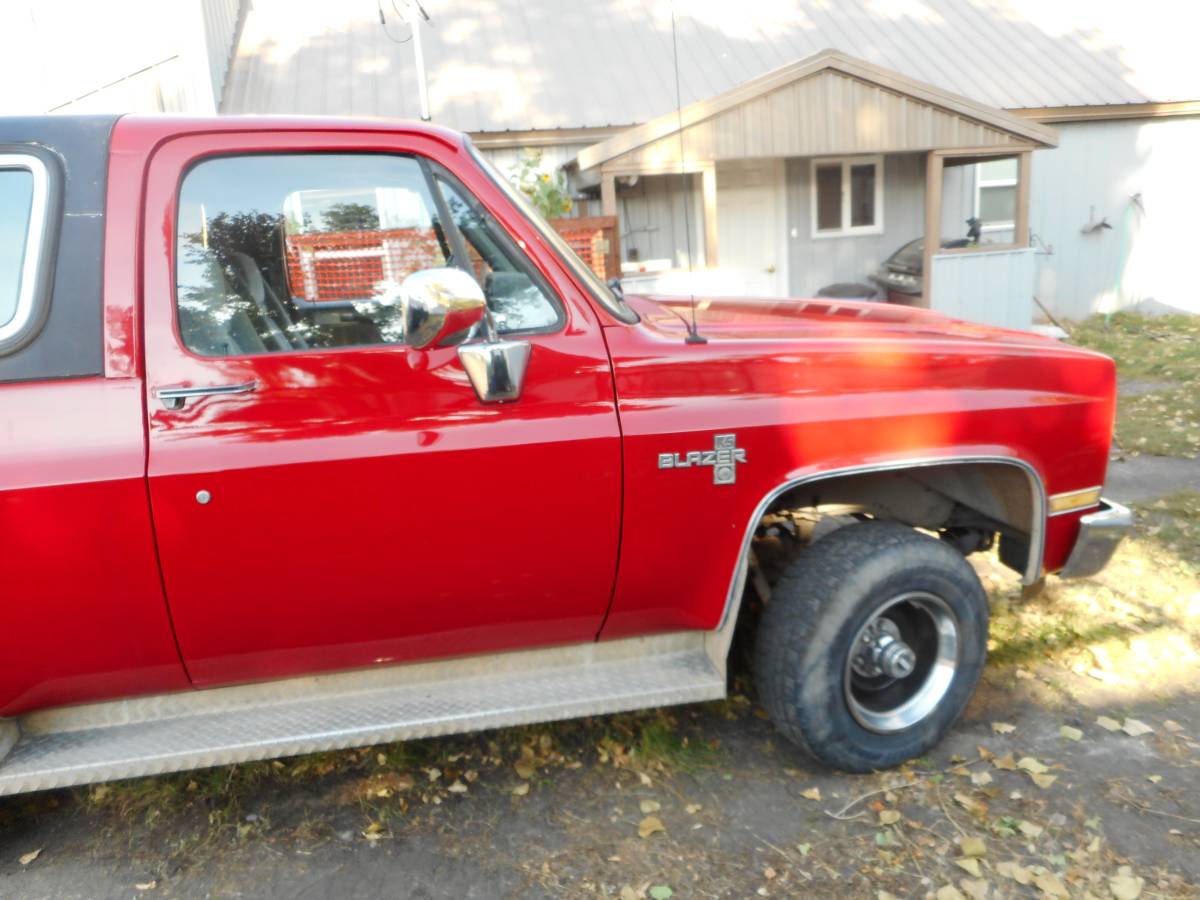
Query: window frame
846	163
435	171
981	183
426	166
33	294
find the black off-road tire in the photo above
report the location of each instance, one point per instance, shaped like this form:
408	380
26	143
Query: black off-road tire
817	609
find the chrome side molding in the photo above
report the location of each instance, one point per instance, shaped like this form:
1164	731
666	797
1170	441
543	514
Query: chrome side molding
175	397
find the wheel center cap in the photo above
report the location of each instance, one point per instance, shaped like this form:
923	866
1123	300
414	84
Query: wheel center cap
884	652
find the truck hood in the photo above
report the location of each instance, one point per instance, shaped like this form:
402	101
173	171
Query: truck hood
766	319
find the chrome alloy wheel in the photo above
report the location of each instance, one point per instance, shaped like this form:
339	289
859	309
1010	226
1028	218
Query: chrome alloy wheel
902	662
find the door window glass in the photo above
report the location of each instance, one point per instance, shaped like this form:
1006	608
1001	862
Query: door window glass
517	301
294	252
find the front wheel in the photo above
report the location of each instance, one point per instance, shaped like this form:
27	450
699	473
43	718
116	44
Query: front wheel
871	645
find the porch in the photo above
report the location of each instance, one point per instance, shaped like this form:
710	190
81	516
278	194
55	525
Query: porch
813	175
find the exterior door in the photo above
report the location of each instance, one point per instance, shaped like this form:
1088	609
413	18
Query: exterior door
349	501
752	250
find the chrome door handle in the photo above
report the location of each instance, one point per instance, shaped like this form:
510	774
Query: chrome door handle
175	397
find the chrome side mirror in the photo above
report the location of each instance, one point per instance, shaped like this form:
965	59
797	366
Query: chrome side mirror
440	304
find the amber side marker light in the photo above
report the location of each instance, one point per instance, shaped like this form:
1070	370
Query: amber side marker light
1074	500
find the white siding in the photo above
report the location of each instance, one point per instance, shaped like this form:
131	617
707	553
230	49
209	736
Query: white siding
995	288
654	214
79	56
220	29
814	263
1145	256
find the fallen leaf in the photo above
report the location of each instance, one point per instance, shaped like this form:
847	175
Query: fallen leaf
26	858
1125	886
1003	728
1030	830
632	893
649	806
1029	764
374	831
1108	724
693	808
146	885
1134	728
979	779
884	895
769	873
970	865
1005	762
888	817
1172	726
1015	871
949	892
527	764
433	773
1071	734
650	825
1043	781
457	788
972	846
804	849
644	779
661	892
813	793
1049	883
975	888
970	804
521	789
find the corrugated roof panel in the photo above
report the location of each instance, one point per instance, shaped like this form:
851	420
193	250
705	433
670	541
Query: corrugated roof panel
496	65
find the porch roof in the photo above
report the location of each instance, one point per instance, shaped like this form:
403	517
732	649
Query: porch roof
826	104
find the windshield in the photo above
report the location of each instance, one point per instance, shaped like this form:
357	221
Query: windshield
604	296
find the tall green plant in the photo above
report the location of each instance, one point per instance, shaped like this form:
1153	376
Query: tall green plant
546	191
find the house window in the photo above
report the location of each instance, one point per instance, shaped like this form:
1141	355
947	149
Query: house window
996	194
847	196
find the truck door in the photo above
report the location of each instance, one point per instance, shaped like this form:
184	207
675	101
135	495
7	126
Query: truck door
324	496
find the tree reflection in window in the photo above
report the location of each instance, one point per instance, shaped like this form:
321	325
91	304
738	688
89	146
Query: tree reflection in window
296	252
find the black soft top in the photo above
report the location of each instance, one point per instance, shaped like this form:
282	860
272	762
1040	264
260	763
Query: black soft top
70	341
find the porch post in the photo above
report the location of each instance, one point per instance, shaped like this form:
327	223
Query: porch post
1021	221
708	179
933	222
608	193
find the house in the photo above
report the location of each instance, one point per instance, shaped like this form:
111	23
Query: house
796	146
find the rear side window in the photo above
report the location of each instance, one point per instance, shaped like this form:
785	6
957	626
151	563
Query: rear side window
296	252
23	209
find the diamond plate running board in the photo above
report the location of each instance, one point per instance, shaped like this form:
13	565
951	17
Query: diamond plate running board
195	729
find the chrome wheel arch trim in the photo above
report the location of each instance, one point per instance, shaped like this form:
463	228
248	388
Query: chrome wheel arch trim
718	641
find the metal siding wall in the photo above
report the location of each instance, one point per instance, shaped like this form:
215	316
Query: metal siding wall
1099	165
220	28
995	288
816	262
825	114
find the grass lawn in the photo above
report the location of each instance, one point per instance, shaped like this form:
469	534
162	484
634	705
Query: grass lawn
1161	358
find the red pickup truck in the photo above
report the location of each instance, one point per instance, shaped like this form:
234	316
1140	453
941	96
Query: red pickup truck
313	435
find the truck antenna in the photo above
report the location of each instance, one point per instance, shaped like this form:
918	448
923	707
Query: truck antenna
410	18
694	336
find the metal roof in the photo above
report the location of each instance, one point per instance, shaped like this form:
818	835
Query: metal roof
497	65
